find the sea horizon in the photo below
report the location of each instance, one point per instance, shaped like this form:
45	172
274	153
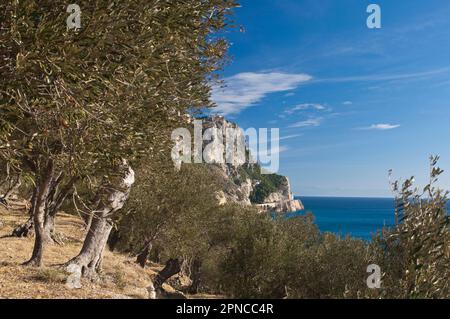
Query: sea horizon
358	217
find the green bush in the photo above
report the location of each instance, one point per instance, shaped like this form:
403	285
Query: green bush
291	259
241	254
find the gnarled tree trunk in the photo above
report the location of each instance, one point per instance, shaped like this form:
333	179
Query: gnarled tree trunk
90	257
195	276
173	267
155	289
113	198
145	252
52	204
41	236
27	229
14	186
24	230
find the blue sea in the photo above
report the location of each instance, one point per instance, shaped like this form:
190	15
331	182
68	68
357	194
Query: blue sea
357	217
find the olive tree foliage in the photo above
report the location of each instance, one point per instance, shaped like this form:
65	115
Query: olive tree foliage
169	219
79	106
175	218
415	254
167	209
290	258
231	250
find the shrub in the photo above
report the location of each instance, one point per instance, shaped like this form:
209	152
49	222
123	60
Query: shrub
415	254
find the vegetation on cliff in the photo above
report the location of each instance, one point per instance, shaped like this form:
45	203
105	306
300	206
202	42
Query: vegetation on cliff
266	184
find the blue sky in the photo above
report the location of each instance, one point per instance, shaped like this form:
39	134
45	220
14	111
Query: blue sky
351	102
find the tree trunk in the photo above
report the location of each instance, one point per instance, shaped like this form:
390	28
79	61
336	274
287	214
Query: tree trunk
49	229
53	205
90	257
41	237
52	202
88	220
113	198
145	252
11	190
113	240
155	289
27	229
195	276
173	267
24	230
88	217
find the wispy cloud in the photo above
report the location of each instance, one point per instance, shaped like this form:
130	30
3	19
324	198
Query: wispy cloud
347	103
288	137
386	77
254	144
246	89
305	106
380	127
307	123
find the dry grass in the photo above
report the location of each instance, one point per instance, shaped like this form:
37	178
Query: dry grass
121	277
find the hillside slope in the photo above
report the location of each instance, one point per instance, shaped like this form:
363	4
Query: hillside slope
121	277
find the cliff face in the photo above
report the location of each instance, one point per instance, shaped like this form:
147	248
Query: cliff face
282	200
242	182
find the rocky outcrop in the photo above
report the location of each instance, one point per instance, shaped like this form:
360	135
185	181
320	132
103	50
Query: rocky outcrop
242	180
293	206
219	134
282	200
231	192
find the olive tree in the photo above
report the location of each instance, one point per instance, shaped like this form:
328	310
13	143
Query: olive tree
415	253
85	105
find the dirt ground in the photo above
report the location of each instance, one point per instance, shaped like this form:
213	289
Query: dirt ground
120	278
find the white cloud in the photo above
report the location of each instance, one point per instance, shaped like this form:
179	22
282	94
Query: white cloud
381	127
347	103
305	106
246	89
288	137
307	123
388	77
